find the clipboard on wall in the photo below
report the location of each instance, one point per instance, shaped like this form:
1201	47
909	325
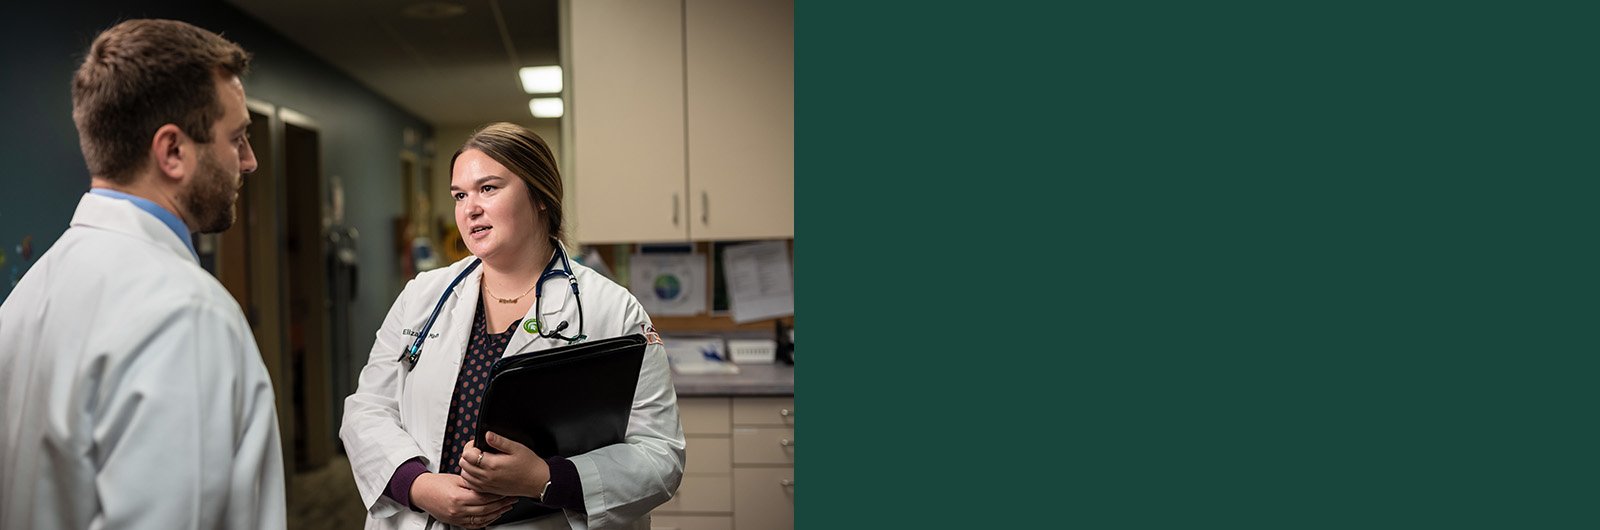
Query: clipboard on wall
562	401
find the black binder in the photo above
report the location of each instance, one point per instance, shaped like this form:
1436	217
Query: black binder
562	401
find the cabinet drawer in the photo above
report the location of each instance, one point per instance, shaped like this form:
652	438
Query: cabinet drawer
763	445
703	415
707	455
764	411
690	522
701	493
763	498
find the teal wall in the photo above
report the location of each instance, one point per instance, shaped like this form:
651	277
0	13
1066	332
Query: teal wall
42	174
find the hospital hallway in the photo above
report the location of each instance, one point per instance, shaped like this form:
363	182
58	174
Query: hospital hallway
325	498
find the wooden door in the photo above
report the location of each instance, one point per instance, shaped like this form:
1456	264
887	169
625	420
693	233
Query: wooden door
307	296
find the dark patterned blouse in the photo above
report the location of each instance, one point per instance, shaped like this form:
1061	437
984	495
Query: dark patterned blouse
483	349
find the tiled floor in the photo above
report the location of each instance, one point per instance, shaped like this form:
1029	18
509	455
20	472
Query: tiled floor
325	499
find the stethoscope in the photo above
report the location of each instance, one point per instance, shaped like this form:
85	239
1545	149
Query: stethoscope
414	351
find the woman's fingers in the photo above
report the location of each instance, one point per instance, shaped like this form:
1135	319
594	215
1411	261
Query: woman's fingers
471	456
480	518
480	499
498	513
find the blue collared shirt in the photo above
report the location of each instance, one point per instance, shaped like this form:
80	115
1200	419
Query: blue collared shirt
168	218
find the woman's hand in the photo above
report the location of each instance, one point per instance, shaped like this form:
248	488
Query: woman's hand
517	471
450	500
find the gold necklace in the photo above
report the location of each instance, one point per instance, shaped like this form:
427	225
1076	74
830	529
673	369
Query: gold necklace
507	300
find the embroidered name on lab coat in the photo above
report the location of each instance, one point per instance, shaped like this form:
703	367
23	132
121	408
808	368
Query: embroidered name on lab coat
412	333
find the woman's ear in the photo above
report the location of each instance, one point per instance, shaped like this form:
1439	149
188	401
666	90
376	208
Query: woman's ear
170	148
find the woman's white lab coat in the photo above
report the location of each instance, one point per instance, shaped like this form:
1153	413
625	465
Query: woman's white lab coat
132	394
396	415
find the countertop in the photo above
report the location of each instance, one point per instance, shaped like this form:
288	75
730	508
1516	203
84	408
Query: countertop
752	380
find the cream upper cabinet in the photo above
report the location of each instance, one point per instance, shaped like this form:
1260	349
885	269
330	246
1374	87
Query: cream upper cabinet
740	77
626	104
682	119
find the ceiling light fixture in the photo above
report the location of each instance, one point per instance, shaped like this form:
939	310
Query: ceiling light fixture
546	107
541	79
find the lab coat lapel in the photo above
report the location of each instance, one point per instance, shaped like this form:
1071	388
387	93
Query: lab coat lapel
462	314
455	328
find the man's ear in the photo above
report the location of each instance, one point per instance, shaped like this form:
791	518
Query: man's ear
171	149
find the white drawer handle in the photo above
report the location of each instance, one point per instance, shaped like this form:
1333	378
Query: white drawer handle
787	483
785	412
786	442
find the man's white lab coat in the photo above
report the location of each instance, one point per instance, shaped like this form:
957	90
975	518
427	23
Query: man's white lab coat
132	394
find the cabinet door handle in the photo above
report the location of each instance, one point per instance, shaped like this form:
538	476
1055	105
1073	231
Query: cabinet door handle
705	207
787	483
786	442
674	209
785	412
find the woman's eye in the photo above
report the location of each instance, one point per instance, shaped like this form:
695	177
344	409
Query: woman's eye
486	189
458	196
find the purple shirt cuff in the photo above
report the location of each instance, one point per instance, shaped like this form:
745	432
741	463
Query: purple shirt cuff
566	491
400	484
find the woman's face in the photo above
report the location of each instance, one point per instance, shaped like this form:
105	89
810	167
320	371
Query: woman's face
494	211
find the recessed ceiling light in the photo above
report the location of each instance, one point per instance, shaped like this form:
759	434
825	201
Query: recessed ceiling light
546	107
433	10
541	79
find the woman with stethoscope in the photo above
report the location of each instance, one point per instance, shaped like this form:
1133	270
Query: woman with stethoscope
408	428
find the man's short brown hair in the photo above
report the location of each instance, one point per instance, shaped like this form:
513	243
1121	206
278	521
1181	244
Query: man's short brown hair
140	75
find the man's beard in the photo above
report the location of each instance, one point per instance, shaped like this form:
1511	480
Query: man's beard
210	197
